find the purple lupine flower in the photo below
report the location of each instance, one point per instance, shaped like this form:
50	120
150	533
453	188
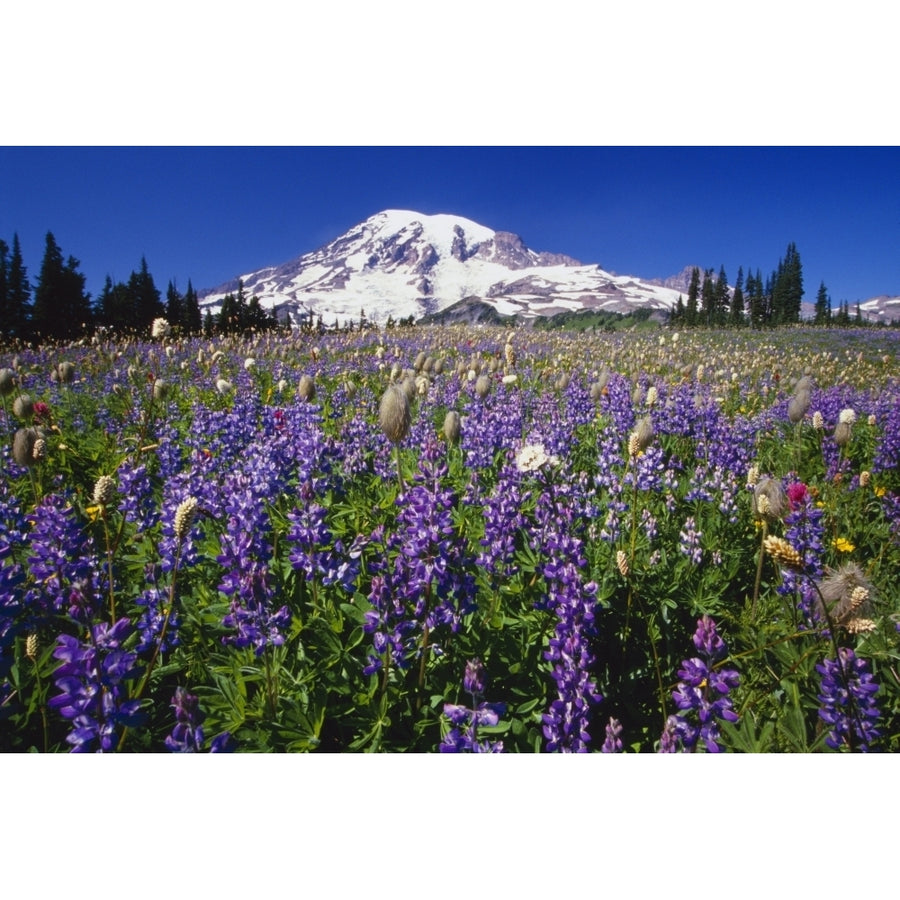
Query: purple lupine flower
704	690
149	624
463	736
613	742
62	563
805	532
423	578
187	735
474	678
848	701
690	541
565	724
93	681
253	618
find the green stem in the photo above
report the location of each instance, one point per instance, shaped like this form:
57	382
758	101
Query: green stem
759	565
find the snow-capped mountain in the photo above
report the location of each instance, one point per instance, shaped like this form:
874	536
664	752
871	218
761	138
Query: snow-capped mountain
399	263
879	309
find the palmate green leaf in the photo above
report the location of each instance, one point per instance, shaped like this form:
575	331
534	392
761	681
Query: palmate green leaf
744	737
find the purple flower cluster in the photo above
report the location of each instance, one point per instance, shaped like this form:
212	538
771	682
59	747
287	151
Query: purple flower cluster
93	680
463	736
424	577
253	618
702	694
848	701
573	602
61	563
805	532
689	541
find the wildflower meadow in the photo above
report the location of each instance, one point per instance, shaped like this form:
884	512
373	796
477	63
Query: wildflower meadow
452	539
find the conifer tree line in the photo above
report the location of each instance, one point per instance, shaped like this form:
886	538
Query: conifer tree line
754	301
57	306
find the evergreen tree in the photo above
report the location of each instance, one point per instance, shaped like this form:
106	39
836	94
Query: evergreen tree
691	314
736	316
18	293
823	307
4	281
115	307
722	298
192	321
708	299
61	307
145	297
175	308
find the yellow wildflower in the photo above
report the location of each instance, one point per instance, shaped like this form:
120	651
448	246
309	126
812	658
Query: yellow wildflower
842	545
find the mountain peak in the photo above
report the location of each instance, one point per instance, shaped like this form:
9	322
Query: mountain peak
400	263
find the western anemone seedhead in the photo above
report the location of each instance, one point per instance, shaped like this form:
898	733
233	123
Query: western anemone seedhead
798	406
451	426
306	389
65	372
23	407
24	441
7	382
394	414
769	498
846	593
482	386
842	434
159	329
640	438
160	389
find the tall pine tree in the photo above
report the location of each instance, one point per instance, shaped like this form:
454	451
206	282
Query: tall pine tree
16	318
822	314
62	309
737	300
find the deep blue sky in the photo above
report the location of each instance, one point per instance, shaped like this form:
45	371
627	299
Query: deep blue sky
209	214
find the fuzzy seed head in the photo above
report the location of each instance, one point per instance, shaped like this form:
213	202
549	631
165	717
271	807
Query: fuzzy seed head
160	389
159	329
7	382
394	414
306	389
842	434
776	499
846	593
798	406
23	407
23	446
65	372
451	427
640	438
482	386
